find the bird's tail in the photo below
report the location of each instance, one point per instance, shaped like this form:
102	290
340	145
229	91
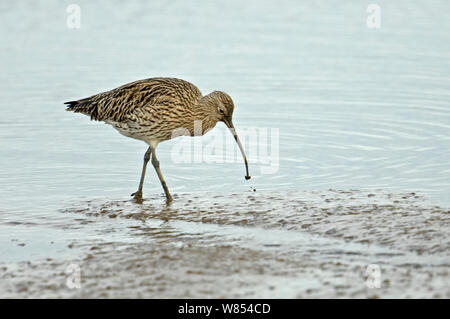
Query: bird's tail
83	106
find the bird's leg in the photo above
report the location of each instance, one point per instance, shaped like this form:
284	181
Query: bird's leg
138	195
155	163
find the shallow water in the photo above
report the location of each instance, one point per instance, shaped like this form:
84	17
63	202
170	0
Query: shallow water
356	109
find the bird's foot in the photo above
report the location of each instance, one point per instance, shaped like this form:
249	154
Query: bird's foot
137	196
169	199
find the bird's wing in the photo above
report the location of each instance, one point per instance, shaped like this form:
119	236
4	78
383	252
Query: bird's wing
116	104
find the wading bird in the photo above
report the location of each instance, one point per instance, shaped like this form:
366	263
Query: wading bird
151	110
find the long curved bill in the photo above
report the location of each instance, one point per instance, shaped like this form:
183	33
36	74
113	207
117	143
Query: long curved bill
230	125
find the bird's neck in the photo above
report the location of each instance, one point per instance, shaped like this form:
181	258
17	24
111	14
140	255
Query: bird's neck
203	114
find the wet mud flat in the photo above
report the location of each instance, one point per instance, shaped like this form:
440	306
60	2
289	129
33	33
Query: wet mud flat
290	244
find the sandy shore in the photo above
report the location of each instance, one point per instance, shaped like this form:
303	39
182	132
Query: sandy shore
285	245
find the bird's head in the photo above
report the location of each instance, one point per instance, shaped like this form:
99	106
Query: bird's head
222	110
222	106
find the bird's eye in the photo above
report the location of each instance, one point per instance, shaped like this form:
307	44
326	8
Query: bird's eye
221	111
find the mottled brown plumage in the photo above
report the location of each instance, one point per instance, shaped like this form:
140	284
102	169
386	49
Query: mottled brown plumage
158	109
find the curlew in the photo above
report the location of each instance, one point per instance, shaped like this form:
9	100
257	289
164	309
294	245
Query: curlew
151	110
